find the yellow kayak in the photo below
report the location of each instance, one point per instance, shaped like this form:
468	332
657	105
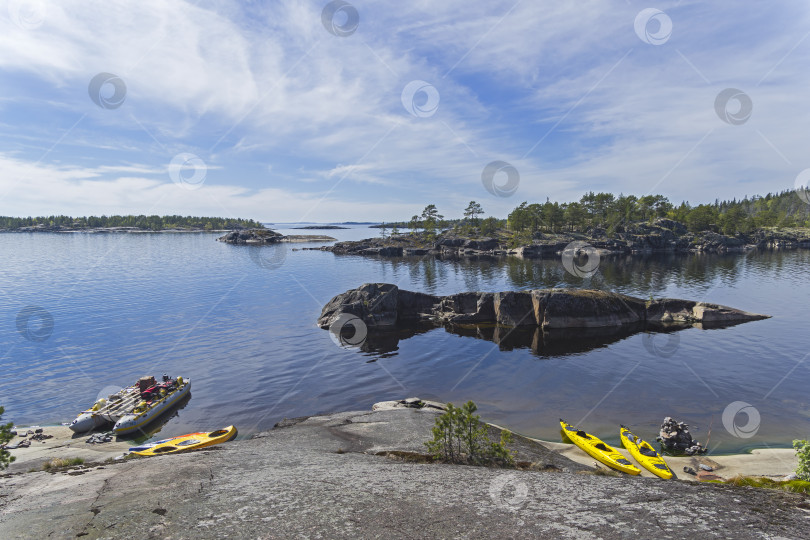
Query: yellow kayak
645	454
599	450
192	441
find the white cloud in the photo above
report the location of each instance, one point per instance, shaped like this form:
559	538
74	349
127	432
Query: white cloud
267	84
48	189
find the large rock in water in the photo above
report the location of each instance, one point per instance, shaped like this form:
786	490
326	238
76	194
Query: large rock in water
251	236
566	308
375	303
382	305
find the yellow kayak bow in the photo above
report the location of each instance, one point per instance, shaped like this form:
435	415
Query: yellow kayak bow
598	450
191	441
645	454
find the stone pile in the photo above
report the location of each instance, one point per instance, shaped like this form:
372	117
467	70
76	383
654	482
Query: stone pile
100	438
675	437
27	436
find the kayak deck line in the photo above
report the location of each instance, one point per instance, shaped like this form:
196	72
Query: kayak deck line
599	450
644	454
188	442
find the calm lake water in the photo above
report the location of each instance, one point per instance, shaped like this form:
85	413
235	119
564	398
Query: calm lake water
240	322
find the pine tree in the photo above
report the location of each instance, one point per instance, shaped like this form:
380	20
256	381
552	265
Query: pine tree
5	436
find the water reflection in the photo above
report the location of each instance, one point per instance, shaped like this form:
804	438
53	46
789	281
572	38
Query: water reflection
641	275
543	343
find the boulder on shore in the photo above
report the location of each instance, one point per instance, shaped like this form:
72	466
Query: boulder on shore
383	305
675	437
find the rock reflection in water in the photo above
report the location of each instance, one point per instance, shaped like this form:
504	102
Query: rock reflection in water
542	343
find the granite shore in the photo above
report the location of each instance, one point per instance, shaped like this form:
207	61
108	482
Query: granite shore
357	473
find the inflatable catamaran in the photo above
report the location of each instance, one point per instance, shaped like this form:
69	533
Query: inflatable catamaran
134	407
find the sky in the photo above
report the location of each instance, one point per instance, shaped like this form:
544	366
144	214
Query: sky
321	111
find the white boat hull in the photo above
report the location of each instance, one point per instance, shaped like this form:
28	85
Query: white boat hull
132	422
87	421
116	406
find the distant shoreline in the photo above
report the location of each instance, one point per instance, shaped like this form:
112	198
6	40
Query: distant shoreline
109	230
662	236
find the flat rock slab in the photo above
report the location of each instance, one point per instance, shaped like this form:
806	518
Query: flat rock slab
402	431
291	482
64	444
385	305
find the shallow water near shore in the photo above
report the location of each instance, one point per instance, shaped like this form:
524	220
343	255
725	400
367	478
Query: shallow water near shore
240	322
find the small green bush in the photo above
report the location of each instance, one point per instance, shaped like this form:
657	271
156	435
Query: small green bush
803	452
58	463
459	436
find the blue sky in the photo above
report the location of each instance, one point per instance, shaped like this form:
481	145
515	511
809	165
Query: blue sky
257	110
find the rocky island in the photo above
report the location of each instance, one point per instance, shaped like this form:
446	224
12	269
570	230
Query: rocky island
385	306
268	236
321	227
661	236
